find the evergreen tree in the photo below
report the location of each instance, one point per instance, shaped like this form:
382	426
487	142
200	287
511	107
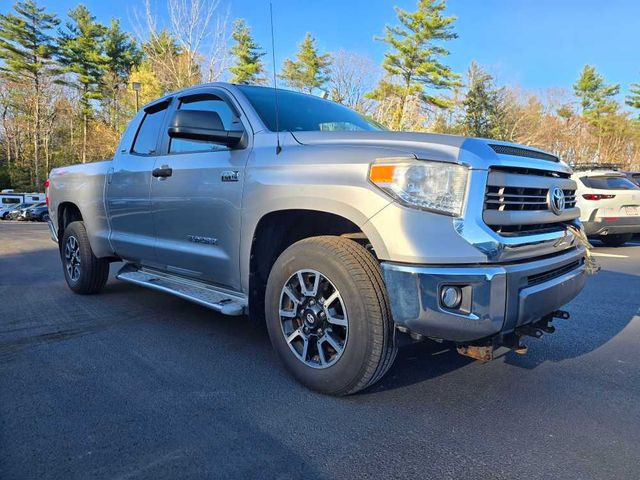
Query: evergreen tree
310	70
122	56
413	63
483	103
81	54
248	67
633	99
596	98
27	50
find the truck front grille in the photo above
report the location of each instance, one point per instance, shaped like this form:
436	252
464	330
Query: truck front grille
516	201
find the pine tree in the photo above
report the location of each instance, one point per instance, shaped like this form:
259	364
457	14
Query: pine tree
413	64
27	50
248	67
633	99
122	56
596	98
310	70
483	102
81	54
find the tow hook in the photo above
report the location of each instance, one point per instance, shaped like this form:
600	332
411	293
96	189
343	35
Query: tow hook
485	353
482	353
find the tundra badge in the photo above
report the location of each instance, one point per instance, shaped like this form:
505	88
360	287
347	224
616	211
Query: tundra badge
205	240
230	176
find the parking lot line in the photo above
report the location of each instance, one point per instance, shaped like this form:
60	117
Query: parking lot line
610	255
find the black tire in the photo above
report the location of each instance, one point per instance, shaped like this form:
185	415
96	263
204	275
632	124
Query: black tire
370	347
44	217
616	240
92	272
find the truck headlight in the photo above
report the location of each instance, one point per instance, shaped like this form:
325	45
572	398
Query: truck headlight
428	185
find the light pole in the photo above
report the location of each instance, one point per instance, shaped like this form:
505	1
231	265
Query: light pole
136	88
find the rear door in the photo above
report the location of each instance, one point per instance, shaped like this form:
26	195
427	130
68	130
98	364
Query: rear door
128	189
197	209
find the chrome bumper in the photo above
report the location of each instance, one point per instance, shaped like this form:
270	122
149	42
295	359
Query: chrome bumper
500	298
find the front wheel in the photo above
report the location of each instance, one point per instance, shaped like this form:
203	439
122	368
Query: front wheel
328	316
83	271
616	240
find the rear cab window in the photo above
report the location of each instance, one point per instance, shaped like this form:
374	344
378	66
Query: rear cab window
609	182
146	141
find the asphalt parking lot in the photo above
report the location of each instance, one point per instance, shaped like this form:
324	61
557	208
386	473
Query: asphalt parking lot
133	383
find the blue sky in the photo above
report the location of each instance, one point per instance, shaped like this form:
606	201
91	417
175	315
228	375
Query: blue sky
534	44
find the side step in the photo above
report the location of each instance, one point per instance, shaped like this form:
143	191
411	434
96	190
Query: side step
220	300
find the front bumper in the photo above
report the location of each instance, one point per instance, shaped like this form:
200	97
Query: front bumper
499	298
612	227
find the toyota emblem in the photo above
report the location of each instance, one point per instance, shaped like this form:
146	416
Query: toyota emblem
556	200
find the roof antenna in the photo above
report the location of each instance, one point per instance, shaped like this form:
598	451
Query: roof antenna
275	82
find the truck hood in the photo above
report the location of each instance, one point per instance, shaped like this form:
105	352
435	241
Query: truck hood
477	152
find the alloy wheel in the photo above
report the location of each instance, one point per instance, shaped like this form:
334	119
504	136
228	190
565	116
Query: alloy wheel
313	318
72	258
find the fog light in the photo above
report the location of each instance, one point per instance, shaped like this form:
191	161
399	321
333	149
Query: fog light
451	297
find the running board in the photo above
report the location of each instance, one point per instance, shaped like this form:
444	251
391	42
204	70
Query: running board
220	300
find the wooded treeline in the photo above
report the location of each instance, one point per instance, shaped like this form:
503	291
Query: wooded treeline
68	84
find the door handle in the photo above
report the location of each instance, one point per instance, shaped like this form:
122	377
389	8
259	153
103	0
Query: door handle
162	172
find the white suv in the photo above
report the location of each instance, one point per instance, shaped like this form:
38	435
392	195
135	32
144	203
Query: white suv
609	204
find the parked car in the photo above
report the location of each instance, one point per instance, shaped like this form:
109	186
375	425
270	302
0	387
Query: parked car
6	205
19	213
37	213
609	204
342	236
13	211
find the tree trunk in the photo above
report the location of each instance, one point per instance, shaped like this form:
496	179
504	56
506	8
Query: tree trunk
36	134
85	121
71	135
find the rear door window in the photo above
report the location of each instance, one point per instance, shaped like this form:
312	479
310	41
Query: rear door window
147	137
609	182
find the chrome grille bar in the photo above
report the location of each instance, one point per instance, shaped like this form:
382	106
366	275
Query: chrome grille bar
516	201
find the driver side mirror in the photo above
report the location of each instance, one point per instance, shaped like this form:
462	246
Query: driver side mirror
202	125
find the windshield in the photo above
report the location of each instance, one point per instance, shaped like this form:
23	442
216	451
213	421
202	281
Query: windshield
609	182
298	112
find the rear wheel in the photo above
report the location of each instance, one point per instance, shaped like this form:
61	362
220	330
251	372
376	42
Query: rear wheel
83	271
328	316
616	240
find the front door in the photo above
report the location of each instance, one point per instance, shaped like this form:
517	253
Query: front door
129	187
196	206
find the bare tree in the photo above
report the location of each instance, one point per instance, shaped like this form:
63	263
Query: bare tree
352	76
194	39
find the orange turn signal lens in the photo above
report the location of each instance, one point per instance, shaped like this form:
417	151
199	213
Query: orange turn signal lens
381	173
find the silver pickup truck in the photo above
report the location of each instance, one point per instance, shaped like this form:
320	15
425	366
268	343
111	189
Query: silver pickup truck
343	237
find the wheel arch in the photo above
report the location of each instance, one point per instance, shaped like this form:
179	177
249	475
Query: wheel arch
275	231
67	212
